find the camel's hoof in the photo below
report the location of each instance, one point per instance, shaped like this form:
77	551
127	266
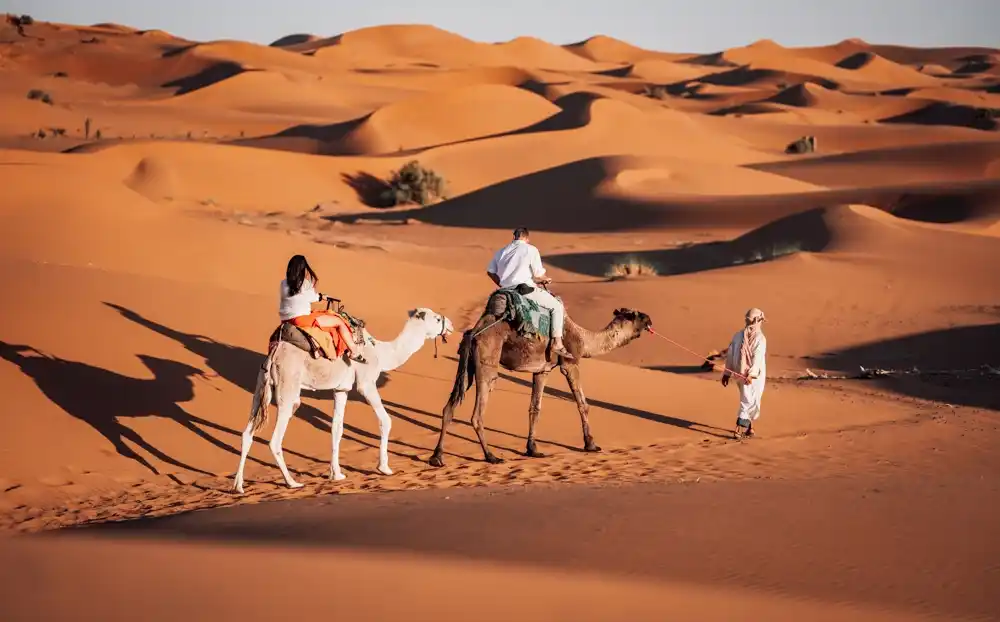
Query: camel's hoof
437	460
337	477
238	488
384	469
534	453
494	459
295	484
592	448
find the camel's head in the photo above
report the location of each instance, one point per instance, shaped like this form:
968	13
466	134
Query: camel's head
434	324
637	319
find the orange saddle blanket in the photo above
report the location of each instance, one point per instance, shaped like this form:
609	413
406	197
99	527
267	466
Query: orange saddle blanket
328	338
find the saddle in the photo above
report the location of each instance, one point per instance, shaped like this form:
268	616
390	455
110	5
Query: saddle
525	315
301	339
317	342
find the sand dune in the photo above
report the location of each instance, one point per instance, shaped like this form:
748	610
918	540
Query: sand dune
434	119
604	49
145	230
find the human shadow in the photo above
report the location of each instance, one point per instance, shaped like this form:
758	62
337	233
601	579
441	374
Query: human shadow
955	364
103	399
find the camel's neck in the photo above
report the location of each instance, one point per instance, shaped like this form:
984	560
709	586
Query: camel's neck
392	354
599	343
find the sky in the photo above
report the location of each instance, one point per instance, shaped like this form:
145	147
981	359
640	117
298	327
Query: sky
669	25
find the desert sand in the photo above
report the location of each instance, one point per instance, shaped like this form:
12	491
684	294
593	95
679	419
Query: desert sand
155	187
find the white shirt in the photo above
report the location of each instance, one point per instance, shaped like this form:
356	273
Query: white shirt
517	263
297	305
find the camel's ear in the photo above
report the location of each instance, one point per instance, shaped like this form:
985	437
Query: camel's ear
415	313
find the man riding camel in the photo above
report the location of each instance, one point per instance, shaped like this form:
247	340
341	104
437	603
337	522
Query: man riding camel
519	263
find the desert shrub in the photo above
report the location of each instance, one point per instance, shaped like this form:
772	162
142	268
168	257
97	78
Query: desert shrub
655	92
806	144
414	184
630	267
40	95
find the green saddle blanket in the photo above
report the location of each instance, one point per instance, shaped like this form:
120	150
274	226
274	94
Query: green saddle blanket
527	316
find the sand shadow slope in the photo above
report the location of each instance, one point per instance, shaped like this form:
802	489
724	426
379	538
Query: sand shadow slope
212	74
537	201
964	352
103	399
810	231
944	113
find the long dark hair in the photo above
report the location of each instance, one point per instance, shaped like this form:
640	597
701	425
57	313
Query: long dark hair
295	274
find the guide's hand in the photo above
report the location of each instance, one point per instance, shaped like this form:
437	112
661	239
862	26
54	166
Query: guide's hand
725	380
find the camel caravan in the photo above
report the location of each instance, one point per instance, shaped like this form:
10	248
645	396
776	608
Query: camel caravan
523	328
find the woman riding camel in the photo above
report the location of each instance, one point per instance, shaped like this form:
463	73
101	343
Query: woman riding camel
298	292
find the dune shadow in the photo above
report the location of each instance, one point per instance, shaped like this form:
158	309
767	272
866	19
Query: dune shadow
104	399
805	231
207	77
744	75
288	40
962	350
943	113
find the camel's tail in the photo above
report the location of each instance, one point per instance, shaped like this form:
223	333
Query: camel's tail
262	393
466	372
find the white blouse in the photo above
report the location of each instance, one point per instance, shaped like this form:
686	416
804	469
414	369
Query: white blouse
297	305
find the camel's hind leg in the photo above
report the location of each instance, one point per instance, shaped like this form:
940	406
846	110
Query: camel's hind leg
337	433
287	403
534	410
572	373
486	377
244	453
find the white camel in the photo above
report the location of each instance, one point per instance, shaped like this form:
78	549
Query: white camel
288	370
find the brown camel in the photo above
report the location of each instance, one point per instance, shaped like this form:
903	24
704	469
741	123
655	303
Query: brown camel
493	343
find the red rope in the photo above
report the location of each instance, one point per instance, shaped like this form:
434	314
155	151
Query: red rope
704	358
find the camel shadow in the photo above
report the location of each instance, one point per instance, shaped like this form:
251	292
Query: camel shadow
702	428
103	399
239	366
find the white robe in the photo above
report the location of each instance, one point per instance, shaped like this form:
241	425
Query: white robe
750	394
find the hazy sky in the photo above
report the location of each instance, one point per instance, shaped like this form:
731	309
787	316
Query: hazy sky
674	25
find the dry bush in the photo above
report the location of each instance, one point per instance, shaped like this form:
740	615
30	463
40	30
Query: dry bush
630	267
655	92
40	95
414	184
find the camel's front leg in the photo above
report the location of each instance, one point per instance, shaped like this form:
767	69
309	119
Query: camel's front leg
534	409
286	408
572	373
337	433
486	377
369	391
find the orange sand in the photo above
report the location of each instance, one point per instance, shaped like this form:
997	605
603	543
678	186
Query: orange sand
216	161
